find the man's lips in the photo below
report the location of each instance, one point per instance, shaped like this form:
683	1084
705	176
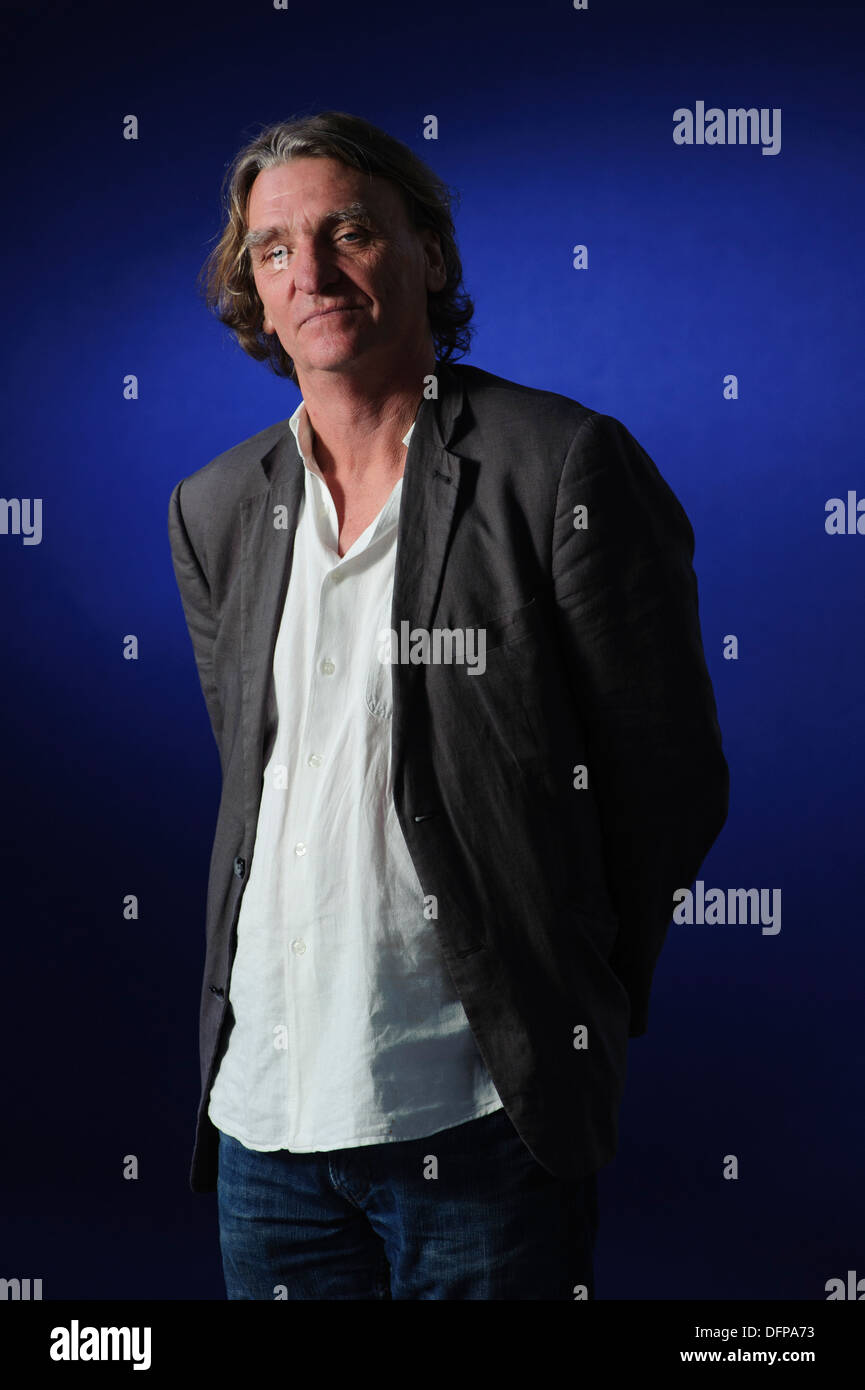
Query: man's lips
323	313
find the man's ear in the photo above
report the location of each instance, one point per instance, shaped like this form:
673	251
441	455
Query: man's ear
436	271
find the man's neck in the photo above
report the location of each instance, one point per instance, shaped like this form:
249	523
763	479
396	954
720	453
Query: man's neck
358	423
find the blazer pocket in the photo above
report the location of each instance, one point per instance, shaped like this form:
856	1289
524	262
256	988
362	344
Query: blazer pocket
509	627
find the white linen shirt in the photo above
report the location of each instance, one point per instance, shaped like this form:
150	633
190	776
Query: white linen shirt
347	1029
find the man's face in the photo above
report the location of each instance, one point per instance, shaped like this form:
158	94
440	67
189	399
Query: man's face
341	273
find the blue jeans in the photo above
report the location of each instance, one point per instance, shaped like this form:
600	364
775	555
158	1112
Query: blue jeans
370	1223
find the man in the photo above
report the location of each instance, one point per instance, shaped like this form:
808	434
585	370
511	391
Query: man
447	633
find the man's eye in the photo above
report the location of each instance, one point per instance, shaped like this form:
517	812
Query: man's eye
279	253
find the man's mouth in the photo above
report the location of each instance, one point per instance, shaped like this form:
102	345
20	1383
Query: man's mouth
323	313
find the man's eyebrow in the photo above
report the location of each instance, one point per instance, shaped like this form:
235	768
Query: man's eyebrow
353	212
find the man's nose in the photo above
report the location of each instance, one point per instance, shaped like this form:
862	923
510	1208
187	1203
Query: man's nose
314	268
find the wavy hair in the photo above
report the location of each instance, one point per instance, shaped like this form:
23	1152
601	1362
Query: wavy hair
226	277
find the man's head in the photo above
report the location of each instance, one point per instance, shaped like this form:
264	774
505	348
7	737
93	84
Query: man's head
329	214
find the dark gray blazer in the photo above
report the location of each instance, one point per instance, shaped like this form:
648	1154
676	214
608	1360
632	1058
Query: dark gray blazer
553	900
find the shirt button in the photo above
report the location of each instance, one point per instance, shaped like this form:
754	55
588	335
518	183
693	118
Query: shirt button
298	946
314	760
327	667
300	848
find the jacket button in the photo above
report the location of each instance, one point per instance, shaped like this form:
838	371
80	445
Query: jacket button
216	989
239	867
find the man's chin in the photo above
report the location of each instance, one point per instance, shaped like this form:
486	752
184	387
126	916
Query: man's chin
333	358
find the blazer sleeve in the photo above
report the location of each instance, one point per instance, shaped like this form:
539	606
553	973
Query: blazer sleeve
627	617
195	597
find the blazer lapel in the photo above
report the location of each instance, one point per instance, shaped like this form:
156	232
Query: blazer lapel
429	498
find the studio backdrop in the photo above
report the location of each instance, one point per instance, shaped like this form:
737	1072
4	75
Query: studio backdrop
659	210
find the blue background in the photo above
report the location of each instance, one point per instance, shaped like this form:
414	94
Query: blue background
556	127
